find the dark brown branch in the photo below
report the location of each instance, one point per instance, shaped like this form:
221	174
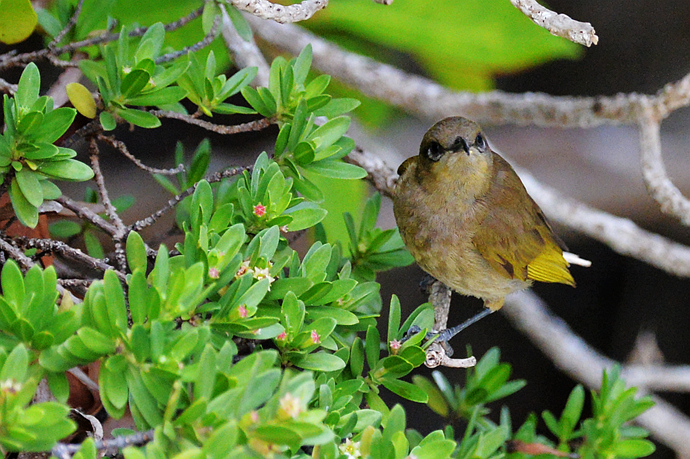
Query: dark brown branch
46	53
59	247
208	39
122	148
217	128
87	214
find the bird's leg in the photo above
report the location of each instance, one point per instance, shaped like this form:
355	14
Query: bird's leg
447	334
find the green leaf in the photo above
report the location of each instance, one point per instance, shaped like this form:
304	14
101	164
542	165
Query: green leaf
211	11
252	96
337	169
302	65
372	346
115	301
337	107
55	123
16	365
240	23
305	215
134	82
330	132
107	121
136	252
573	408
70	170
29	84
50	190
59	386
27	180
406	390
23	209
163	96
138	118
320	361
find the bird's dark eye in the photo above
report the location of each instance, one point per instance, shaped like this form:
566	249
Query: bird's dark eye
480	142
434	151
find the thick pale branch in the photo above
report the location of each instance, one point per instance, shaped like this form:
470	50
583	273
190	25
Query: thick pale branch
279	13
659	185
559	25
426	98
244	53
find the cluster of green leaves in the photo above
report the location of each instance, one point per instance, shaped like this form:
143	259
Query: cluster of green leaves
28	156
225	283
373	249
27	428
605	434
129	76
302	147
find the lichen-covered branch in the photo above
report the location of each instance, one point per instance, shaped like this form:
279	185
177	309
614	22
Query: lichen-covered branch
559	25
280	13
659	185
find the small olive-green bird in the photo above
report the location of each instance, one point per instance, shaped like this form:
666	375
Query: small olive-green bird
468	221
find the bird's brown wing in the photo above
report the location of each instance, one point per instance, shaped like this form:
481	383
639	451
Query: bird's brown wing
513	235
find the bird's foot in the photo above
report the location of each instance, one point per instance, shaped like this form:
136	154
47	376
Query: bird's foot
442	337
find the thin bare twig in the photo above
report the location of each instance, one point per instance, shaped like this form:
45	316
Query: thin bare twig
208	39
7	87
110	209
217	128
87	214
70	24
122	148
216	177
559	25
16	254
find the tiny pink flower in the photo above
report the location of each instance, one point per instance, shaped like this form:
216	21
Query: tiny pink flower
282	336
259	210
242	311
315	337
255	416
213	273
395	344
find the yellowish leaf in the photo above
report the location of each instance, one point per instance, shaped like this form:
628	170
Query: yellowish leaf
17	20
82	99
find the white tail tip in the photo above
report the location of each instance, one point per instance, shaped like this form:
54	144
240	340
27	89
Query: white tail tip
575	260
